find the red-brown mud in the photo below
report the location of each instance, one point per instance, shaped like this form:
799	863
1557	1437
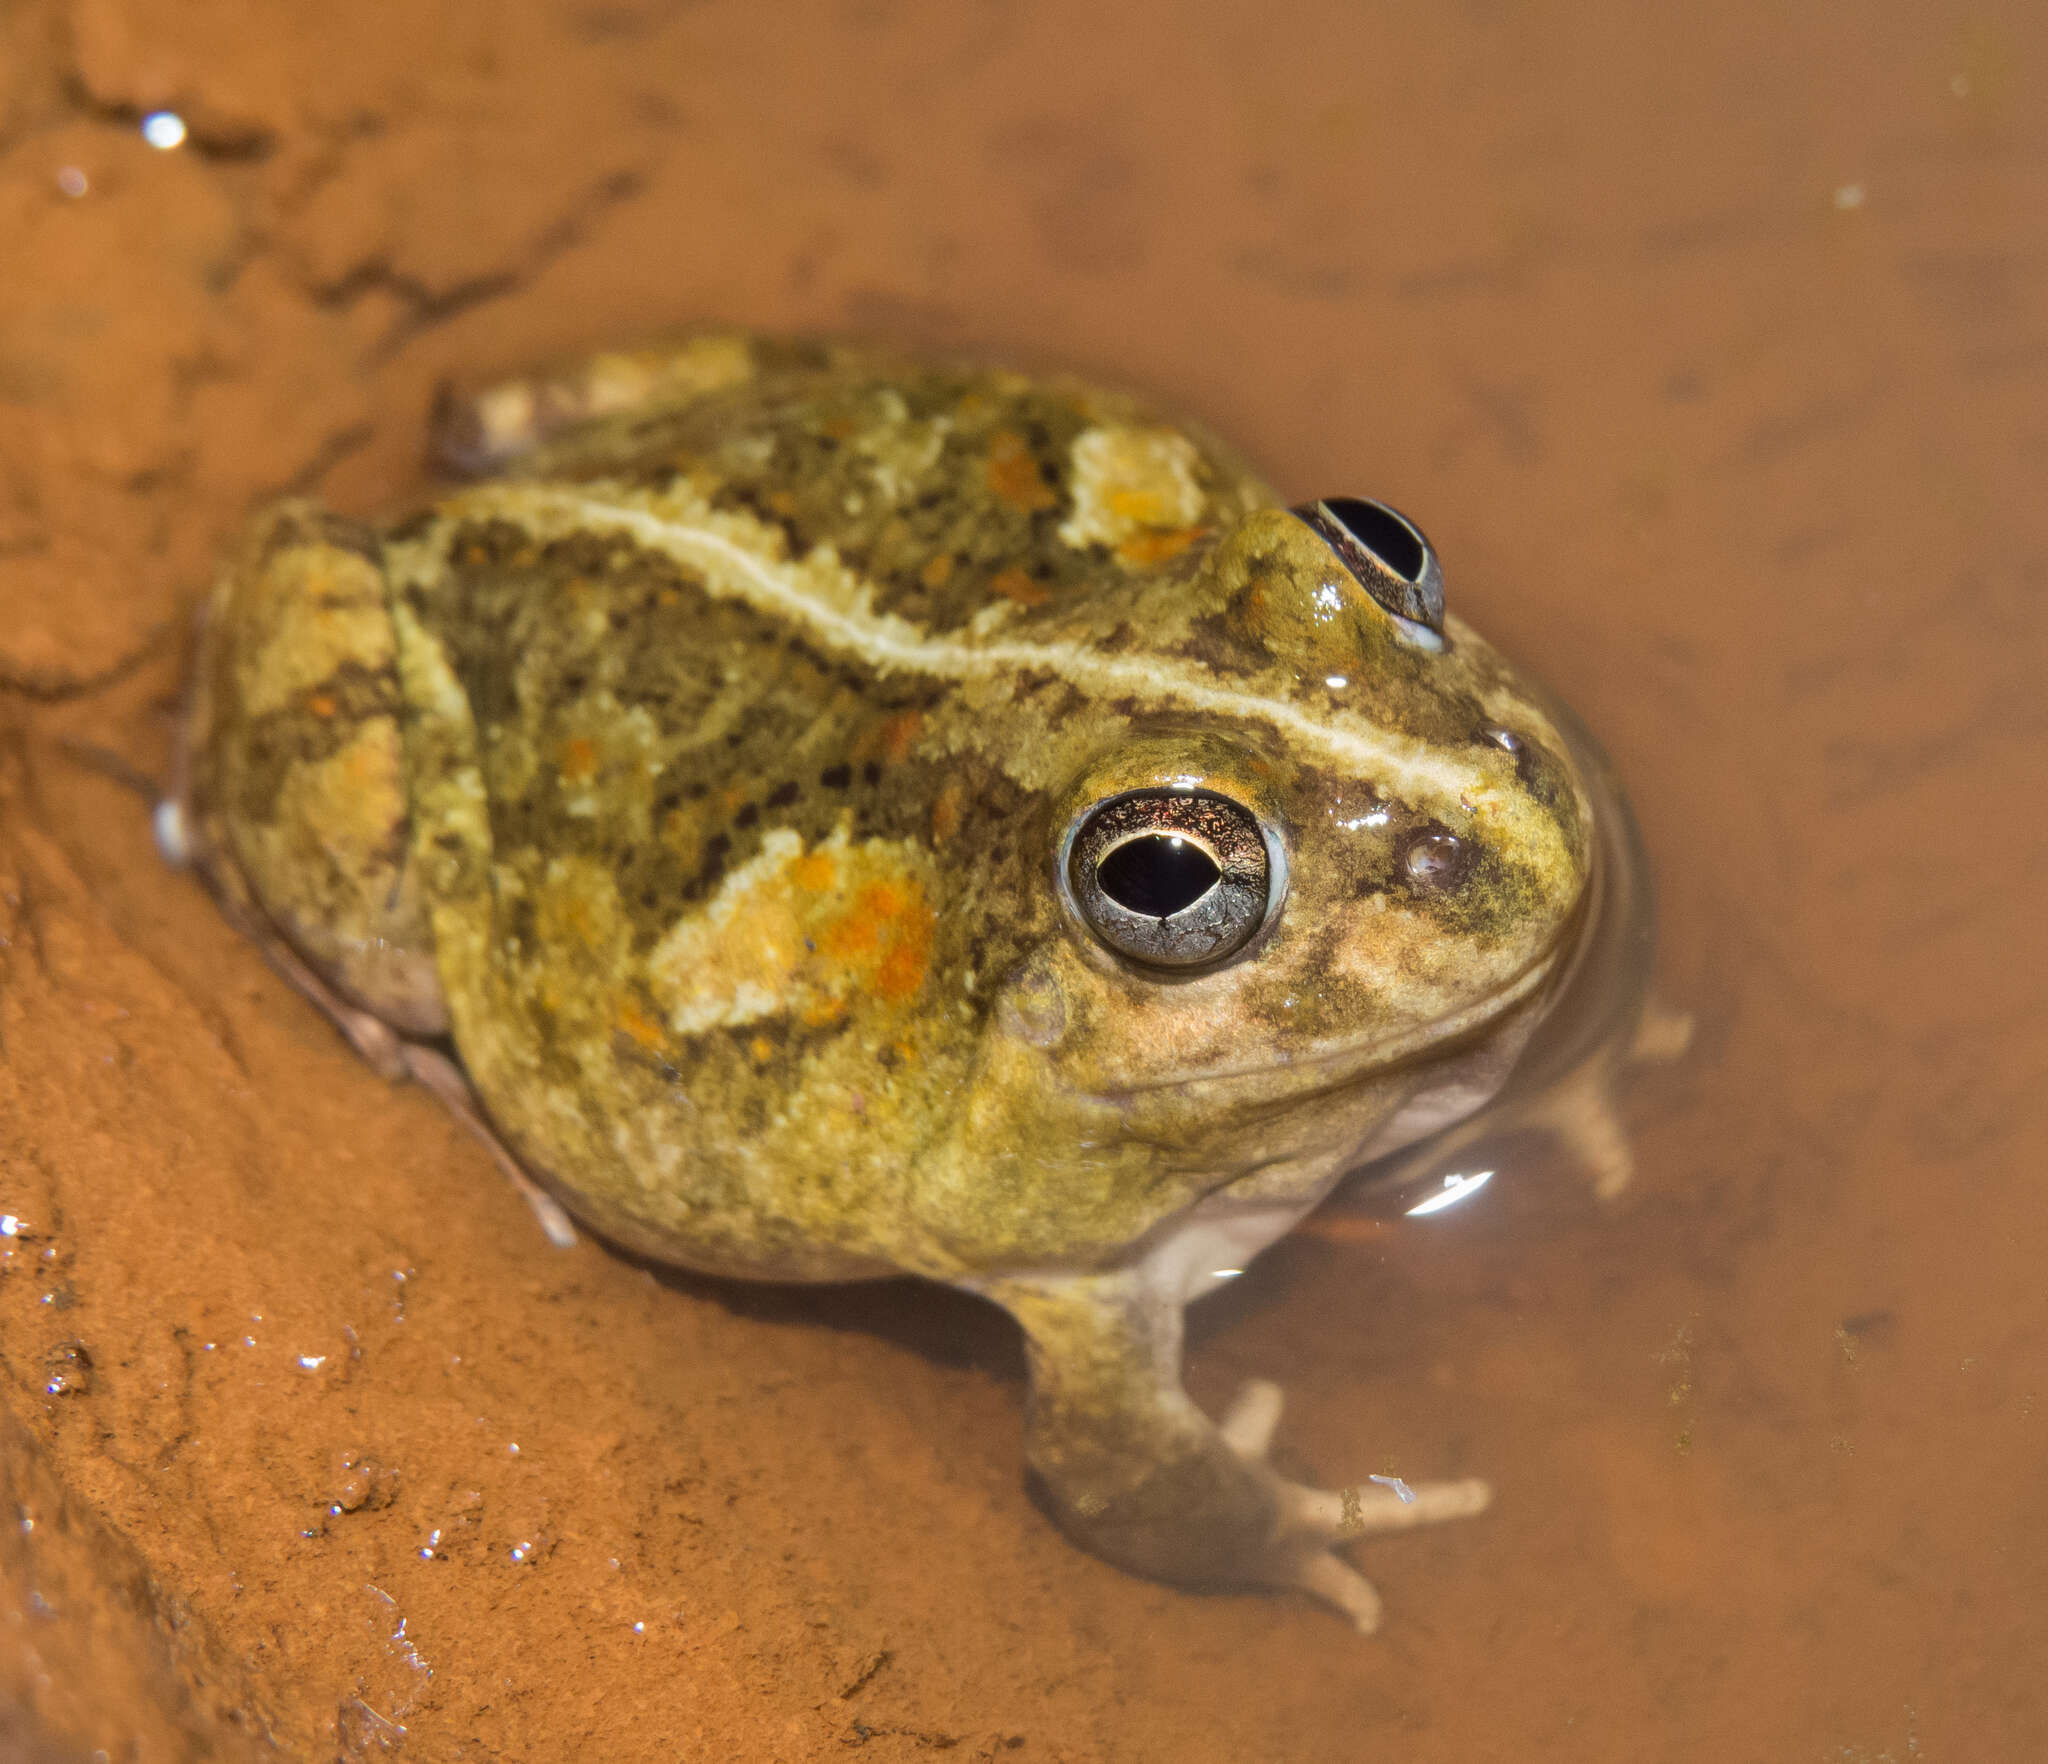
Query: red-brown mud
1713	353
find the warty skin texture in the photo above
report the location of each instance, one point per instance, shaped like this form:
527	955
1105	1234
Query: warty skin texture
705	775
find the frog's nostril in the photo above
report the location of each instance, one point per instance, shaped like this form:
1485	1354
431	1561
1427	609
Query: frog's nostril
1435	860
1157	875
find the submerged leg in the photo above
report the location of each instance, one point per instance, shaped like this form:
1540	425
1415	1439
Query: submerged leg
1583	1111
1143	1478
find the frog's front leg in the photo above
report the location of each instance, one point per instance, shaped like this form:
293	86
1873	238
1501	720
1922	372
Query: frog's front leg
1138	1474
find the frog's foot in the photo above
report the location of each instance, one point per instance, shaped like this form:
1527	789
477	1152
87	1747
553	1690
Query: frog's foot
1662	1035
1313	1521
1583	1111
1582	1115
1138	1474
477	433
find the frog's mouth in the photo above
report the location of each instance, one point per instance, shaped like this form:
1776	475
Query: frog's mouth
1337	1067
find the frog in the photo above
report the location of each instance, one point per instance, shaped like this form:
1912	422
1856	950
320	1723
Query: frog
822	814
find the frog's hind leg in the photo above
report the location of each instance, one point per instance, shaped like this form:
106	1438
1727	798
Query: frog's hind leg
288	796
481	432
1143	1478
1583	1112
288	790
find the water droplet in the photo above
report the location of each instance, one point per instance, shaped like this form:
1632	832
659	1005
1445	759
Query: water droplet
164	130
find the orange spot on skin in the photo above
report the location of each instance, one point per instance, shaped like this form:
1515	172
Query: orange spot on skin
368	768
899	733
901	975
782	502
321	704
1016	584
815	937
888	930
815	872
855	932
839	428
889	738
578	761
761	1050
1252	610
1013	475
635	1022
1143	550
937	571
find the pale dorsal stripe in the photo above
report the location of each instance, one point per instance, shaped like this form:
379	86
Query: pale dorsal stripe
834	606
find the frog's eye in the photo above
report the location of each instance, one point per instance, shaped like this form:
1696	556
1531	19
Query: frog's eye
1171	878
1390	558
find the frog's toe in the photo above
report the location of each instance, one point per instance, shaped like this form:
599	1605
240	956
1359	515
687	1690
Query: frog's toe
1386	1503
1247	1425
1342	1587
1332	1517
1323	1518
1379	1503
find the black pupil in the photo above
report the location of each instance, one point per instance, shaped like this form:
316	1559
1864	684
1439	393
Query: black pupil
1382	532
1157	874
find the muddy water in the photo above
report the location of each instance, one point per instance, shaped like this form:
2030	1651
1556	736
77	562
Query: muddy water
1712	355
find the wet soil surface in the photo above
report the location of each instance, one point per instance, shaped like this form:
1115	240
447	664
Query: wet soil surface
1714	357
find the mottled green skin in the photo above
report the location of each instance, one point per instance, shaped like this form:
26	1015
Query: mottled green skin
731	738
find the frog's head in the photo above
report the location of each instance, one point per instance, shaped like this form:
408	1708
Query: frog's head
1338	843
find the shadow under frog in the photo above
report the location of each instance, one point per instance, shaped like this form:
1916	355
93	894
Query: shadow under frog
820	816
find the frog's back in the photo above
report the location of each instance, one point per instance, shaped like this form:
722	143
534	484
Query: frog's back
727	815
